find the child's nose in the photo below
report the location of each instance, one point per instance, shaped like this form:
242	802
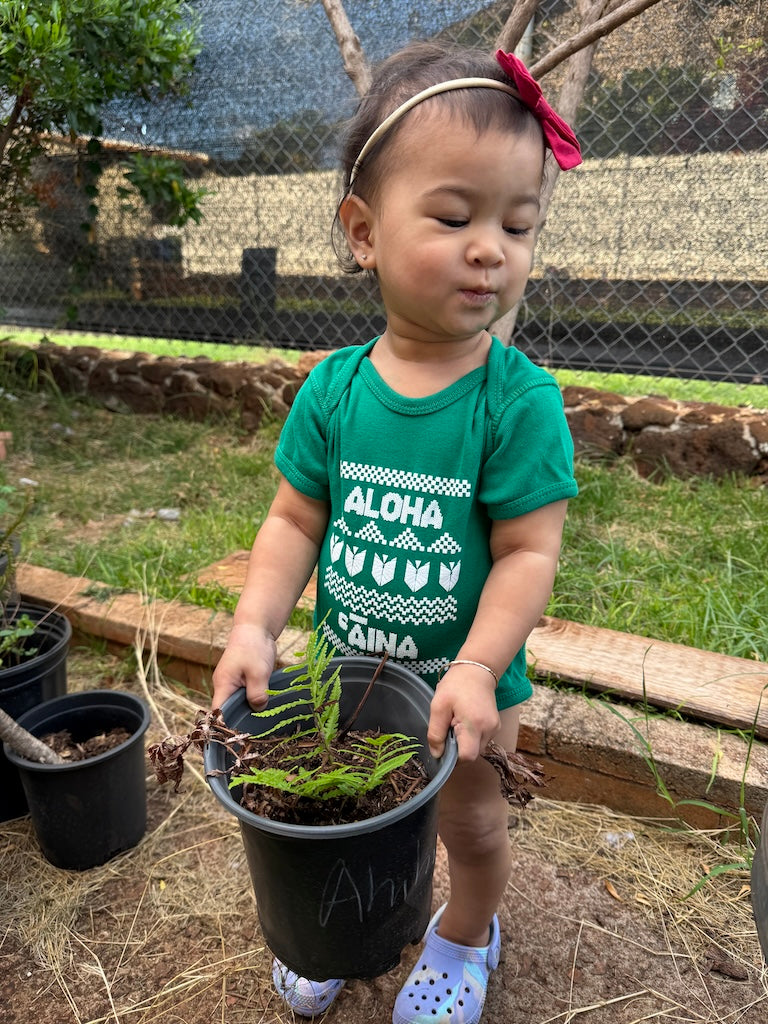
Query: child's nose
485	249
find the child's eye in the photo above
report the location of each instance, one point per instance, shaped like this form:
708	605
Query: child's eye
452	222
518	231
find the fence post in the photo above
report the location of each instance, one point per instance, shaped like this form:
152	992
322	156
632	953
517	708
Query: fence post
258	285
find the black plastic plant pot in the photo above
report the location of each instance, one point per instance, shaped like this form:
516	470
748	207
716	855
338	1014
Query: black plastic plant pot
86	812
35	679
343	901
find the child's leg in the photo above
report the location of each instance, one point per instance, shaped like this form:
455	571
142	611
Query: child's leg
473	825
462	943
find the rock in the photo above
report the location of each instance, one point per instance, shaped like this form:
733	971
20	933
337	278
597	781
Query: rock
659	434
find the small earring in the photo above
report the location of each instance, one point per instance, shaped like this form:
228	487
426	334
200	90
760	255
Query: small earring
364	256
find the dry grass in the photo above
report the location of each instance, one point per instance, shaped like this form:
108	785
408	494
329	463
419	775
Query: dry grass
653	865
168	928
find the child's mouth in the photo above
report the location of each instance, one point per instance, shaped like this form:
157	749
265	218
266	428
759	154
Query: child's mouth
477	298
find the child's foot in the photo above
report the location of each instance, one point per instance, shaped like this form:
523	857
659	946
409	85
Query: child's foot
449	982
305	997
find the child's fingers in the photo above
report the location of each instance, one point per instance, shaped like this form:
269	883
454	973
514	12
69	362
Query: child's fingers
468	741
256	693
239	668
440	719
469	706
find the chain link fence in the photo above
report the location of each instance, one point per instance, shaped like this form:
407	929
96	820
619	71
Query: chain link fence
653	259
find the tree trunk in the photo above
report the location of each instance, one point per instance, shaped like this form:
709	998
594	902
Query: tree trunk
572	90
589	33
13	117
24	743
568	101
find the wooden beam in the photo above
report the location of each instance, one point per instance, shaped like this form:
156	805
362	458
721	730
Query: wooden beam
702	684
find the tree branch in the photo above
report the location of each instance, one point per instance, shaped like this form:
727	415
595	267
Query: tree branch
567	104
7	132
25	744
572	89
353	58
516	24
590	34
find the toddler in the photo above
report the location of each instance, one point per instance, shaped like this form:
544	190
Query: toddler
427	472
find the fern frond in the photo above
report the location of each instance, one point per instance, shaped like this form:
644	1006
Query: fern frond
384	755
279	726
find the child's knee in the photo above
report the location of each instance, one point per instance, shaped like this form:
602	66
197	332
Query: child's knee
479	830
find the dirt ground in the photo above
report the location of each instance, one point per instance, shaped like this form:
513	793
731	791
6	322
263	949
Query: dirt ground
595	925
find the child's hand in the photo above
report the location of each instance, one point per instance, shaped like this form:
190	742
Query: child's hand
249	660
465	698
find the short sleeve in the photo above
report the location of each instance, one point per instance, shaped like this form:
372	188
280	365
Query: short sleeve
530	462
301	454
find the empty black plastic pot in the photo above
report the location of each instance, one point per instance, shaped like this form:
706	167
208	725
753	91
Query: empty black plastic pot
24	685
86	812
343	901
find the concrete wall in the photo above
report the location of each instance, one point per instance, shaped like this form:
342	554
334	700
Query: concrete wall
671	217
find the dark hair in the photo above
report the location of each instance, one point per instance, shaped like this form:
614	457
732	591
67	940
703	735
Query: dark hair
407	72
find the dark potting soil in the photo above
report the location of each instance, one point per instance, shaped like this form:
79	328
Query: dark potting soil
517	777
62	743
400	785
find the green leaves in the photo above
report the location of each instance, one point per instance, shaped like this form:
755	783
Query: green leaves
161	184
62	60
379	757
383	755
12	637
323	694
326	767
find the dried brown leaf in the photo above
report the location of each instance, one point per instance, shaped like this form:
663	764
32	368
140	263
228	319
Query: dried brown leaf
517	773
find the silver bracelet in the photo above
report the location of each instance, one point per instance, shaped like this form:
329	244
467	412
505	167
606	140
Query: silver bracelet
466	661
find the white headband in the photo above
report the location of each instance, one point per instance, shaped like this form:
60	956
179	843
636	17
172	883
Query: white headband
433	90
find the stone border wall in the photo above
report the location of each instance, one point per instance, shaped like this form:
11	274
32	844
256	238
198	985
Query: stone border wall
660	435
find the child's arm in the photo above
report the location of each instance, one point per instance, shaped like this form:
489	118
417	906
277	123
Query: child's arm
282	559
525	552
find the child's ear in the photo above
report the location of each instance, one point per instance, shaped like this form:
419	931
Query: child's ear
356	218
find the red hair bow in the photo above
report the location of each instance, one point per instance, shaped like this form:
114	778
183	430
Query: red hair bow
558	134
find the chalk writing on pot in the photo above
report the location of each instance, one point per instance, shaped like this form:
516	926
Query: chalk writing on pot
356	886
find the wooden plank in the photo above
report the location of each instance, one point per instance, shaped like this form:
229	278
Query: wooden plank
714	687
229	573
181	631
189	635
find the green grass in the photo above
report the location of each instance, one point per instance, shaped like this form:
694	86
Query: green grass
720	392
101	478
154	346
676	560
681	560
723	393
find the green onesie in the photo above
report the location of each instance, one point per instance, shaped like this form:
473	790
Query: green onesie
413	485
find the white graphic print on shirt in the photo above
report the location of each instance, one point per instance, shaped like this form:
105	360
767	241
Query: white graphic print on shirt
392	561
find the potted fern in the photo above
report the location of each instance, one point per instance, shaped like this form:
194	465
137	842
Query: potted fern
340	899
70	797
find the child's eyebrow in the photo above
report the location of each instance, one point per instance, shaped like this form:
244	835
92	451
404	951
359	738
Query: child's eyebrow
466	192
